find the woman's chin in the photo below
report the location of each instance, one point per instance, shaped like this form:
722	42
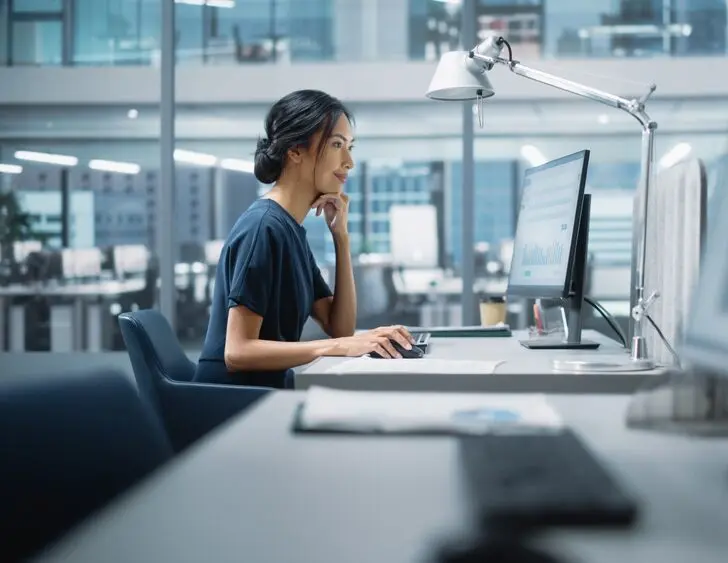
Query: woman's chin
329	190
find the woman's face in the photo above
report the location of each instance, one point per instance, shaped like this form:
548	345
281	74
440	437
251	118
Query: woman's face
330	166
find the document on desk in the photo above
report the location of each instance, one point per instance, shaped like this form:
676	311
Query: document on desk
433	366
367	412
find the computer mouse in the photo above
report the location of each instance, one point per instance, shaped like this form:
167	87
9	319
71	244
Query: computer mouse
411	354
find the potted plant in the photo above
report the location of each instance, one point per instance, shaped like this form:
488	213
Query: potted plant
15	224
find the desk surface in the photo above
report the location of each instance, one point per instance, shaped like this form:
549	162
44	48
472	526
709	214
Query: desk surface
108	288
522	370
254	492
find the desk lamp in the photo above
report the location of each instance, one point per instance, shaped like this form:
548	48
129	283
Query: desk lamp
461	76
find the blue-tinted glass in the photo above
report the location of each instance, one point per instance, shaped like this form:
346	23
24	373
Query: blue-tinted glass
37	5
494	204
3	30
188	21
613	175
109	33
603	28
434	27
37	43
707	21
268	30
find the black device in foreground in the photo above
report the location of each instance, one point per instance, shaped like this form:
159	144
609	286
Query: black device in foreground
527	482
554	208
411	354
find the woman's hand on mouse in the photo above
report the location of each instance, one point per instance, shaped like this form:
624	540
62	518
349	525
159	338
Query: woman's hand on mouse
335	208
397	333
362	344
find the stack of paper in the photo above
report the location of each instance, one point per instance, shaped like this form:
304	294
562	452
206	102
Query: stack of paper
395	412
365	364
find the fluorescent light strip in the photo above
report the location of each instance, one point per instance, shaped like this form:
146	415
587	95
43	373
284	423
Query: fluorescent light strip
47	158
112	166
534	156
10	168
196	158
238	165
675	155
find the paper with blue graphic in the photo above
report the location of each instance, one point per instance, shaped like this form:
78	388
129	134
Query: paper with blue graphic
397	412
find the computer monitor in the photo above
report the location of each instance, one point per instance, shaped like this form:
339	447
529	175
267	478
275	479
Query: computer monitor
551	243
413	236
81	263
705	340
130	260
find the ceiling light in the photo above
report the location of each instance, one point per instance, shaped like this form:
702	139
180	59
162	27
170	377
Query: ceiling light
603	118
532	155
47	158
132	113
238	165
10	168
675	155
112	166
196	158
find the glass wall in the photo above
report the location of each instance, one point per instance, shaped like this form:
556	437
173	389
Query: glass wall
87	210
32	32
127	32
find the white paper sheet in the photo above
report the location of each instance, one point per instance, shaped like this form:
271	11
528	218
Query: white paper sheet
473	413
426	365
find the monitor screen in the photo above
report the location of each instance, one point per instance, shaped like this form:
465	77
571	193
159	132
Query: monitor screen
705	341
81	262
547	228
413	235
130	259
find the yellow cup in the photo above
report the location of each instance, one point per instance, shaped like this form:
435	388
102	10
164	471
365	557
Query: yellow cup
493	311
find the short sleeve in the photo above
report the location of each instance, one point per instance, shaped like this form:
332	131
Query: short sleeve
321	289
251	270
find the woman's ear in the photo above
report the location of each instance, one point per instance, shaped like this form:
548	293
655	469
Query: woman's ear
295	155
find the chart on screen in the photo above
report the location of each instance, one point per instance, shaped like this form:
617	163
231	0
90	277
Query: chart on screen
545	225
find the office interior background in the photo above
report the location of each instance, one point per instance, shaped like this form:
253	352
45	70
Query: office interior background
80	144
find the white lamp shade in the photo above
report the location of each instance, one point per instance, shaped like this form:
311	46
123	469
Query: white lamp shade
456	80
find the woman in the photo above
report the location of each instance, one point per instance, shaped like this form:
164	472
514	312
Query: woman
267	282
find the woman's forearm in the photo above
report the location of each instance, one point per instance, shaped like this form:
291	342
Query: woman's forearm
342	319
270	355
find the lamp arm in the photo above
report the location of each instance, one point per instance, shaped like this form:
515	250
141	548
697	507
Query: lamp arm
634	107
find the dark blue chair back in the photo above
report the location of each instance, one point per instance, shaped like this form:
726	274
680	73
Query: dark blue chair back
164	373
69	443
154	351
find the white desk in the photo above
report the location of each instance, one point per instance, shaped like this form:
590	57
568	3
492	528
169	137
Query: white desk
523	370
254	492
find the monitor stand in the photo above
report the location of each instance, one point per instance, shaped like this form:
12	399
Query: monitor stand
575	300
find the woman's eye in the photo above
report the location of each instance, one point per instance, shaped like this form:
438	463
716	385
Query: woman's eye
337	144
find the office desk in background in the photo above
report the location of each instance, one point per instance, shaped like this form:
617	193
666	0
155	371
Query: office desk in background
67	321
254	492
522	370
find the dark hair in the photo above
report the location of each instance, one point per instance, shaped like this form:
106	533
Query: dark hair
291	122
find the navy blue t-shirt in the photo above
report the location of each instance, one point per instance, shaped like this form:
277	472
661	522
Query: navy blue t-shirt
266	265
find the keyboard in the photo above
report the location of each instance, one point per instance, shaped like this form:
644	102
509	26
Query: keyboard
532	481
422	340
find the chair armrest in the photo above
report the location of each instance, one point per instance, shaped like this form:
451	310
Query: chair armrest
191	410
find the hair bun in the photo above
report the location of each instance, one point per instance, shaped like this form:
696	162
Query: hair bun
268	165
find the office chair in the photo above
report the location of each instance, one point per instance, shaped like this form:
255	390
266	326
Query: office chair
71	443
164	375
